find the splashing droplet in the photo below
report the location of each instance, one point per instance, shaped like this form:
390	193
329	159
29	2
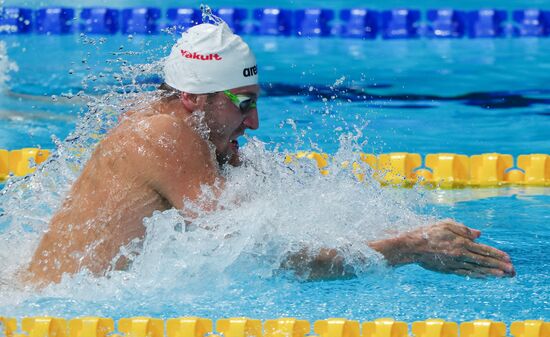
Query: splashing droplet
208	16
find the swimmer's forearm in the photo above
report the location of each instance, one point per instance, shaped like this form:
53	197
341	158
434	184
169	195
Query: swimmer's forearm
327	263
324	265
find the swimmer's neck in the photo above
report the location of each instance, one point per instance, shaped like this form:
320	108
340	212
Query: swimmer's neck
173	106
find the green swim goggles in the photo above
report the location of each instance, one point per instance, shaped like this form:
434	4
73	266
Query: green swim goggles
243	102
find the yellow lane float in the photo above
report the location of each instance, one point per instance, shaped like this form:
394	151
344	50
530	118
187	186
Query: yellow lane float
336	327
385	327
435	328
482	328
443	170
21	162
91	327
248	327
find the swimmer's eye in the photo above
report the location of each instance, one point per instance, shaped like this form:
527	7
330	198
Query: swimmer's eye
243	102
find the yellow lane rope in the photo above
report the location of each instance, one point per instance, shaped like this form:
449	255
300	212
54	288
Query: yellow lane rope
443	170
247	327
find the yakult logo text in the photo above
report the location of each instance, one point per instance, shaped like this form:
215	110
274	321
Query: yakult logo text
197	56
247	72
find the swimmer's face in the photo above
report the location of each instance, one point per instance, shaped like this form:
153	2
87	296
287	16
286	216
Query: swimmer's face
227	122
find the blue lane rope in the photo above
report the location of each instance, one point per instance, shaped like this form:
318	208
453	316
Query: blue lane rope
360	23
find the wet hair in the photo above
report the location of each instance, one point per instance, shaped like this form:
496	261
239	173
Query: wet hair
165	87
168	92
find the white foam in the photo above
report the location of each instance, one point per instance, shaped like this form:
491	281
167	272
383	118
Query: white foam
267	210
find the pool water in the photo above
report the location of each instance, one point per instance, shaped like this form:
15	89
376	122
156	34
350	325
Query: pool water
464	96
330	95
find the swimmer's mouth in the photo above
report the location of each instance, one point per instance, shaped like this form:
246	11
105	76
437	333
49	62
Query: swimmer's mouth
234	143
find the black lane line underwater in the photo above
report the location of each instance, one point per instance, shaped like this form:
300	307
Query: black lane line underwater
485	100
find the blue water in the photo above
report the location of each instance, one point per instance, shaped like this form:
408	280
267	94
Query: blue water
408	293
467	96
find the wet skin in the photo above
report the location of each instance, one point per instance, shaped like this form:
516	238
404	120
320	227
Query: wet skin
156	158
152	160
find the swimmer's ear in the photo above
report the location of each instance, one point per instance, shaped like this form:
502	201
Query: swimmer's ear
190	101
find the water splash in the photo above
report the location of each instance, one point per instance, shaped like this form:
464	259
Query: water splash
266	211
6	65
227	262
28	203
208	16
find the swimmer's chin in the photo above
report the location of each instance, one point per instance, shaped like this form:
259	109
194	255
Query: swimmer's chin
232	159
230	155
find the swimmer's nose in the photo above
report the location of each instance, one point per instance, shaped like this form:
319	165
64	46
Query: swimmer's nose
251	120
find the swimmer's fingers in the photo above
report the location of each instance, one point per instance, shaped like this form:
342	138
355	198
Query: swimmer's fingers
469	273
478	272
460	229
494	266
474	270
485	250
497	272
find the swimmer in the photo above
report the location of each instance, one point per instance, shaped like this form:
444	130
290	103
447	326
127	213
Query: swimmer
160	155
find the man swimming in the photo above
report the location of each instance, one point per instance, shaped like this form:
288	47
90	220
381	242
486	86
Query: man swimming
161	155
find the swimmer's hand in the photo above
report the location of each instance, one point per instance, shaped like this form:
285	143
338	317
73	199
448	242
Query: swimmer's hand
446	247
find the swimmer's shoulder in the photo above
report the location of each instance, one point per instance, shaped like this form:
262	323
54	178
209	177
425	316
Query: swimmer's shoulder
166	134
168	126
174	157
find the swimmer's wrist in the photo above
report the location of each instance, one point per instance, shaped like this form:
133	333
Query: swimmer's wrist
395	250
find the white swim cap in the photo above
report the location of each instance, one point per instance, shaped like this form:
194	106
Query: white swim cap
210	58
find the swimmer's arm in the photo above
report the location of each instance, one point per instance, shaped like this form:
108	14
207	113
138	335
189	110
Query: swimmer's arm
446	247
